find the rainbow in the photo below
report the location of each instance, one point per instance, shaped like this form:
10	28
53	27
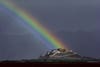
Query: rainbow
38	29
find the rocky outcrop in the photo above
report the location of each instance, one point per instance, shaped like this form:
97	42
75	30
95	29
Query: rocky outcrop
60	54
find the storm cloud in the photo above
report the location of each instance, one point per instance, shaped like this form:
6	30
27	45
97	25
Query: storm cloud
73	21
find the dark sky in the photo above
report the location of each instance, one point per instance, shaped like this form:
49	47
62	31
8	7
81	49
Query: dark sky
74	21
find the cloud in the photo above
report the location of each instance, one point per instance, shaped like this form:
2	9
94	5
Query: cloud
58	16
